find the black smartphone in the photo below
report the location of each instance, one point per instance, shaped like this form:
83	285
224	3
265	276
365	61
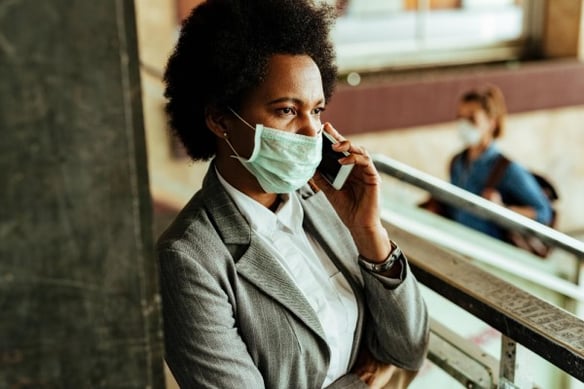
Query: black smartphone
335	173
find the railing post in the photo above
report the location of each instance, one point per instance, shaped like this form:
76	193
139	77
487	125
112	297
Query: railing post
507	362
578	311
579	308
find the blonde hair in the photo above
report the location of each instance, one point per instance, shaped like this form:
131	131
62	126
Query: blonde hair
492	101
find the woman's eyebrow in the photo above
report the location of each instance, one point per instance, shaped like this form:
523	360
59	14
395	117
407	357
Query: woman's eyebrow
294	100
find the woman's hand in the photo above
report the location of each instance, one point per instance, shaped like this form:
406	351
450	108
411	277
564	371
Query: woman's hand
374	373
358	201
493	195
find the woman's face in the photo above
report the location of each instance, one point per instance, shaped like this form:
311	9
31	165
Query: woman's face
473	113
291	98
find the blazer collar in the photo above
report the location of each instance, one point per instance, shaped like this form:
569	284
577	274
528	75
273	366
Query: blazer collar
255	263
253	260
229	222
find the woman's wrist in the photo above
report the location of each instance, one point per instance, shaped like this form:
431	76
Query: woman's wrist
372	243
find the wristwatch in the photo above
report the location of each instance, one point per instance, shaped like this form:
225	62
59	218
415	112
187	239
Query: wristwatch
384	266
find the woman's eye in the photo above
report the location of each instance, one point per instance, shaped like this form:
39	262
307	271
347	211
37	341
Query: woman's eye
318	111
288	111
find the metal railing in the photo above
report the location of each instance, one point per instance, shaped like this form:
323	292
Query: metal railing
460	198
547	330
462	359
550	332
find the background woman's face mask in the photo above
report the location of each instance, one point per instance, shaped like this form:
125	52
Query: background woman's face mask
281	161
469	133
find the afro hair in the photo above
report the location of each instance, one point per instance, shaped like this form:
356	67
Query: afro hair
223	52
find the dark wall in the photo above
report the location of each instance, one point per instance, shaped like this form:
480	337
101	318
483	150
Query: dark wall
78	294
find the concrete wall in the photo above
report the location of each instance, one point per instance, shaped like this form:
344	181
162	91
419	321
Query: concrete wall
563	28
78	282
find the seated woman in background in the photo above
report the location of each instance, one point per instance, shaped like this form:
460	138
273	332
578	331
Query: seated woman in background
480	168
270	277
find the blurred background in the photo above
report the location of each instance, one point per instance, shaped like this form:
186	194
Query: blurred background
403	66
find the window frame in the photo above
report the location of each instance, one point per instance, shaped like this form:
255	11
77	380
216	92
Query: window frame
364	59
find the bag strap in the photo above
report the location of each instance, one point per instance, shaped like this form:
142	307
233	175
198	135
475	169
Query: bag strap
497	172
456	157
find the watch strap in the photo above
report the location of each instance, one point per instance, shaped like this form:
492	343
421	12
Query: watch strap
382	267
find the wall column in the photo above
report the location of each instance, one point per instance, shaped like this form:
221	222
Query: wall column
78	284
563	29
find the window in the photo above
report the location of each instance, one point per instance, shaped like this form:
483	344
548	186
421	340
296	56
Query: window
374	35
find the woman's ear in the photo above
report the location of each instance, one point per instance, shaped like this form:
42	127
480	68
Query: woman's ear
216	121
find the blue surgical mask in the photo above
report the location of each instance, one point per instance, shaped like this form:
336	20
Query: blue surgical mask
281	161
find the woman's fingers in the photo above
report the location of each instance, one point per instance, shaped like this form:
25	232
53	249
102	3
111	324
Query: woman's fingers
360	159
332	131
343	144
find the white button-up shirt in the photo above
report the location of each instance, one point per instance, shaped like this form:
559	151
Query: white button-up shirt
312	271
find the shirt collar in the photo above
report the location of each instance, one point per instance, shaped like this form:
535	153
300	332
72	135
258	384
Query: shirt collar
288	216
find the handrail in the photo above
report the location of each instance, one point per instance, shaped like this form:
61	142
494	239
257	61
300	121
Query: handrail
551	332
461	198
488	254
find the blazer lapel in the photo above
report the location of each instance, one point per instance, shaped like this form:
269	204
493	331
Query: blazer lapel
253	260
260	268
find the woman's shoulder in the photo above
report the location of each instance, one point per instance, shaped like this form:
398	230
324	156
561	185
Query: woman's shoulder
194	244
192	224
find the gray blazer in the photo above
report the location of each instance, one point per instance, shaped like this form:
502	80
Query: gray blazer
234	319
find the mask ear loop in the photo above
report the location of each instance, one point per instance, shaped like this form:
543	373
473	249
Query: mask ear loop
225	137
256	139
240	118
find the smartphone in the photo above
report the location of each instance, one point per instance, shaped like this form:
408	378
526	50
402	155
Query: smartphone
330	168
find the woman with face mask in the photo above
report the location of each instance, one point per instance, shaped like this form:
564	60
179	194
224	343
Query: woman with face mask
270	277
481	117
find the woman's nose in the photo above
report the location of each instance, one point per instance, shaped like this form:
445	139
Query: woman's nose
310	126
